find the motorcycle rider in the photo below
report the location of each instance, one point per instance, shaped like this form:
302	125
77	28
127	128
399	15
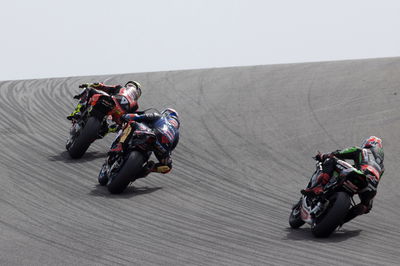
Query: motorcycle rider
166	128
368	158
132	90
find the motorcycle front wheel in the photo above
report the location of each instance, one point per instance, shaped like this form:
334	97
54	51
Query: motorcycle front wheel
295	220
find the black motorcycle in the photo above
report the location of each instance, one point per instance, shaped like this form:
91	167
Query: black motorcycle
327	211
92	124
132	163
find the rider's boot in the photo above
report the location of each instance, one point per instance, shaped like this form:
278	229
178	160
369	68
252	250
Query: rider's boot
113	128
76	112
322	180
106	128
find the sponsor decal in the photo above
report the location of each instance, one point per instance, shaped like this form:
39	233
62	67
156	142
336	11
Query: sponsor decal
304	214
375	173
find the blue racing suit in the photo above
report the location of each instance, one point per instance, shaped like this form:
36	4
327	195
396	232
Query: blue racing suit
166	130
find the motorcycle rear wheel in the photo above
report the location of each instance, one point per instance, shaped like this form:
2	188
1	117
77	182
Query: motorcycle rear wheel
87	135
334	216
131	167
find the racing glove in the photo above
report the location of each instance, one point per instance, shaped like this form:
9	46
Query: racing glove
79	96
91	85
84	85
128	117
322	156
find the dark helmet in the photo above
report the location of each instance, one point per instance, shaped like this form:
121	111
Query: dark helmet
171	115
136	85
375	145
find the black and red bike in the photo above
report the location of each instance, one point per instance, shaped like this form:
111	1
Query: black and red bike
103	111
327	211
120	169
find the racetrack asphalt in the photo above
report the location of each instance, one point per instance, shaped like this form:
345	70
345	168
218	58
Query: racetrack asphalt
248	135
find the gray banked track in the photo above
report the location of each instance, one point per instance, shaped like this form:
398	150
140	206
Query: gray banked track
247	138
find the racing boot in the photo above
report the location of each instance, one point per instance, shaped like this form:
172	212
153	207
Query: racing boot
76	112
105	129
113	128
322	180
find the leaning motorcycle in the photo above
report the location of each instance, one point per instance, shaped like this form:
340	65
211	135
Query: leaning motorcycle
120	169
327	211
102	111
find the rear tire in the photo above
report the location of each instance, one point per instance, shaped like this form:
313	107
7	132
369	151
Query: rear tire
87	135
295	220
334	216
129	170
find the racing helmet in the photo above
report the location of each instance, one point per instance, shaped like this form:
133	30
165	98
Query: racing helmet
172	116
136	85
375	145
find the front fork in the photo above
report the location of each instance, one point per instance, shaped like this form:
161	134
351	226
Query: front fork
309	213
111	164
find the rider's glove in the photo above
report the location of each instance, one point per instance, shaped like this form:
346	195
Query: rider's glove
123	119
78	96
323	156
83	92
84	85
127	117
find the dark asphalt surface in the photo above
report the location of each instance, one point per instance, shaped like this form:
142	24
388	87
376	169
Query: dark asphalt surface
247	138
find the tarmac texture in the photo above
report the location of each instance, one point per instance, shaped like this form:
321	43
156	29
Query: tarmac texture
248	135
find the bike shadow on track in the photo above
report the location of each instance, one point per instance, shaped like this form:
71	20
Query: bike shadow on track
129	192
302	234
87	157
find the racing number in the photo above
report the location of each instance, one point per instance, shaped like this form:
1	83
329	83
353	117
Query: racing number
124	100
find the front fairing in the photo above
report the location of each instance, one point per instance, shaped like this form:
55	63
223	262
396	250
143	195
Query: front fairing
312	207
313	179
305	211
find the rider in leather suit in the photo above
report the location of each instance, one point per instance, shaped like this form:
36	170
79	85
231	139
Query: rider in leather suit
166	128
368	158
133	87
